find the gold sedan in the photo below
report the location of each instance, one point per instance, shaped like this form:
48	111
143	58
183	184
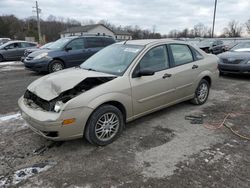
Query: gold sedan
118	84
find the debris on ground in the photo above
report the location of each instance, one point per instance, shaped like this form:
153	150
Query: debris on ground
44	148
25	173
195	119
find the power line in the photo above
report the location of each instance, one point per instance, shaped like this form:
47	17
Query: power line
38	11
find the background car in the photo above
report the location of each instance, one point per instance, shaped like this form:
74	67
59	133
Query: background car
120	83
236	60
30	50
66	52
4	40
212	46
13	50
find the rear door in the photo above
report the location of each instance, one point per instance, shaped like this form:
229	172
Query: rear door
185	69
75	53
152	92
93	45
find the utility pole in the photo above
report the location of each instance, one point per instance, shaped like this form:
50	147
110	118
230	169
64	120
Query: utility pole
38	11
215	5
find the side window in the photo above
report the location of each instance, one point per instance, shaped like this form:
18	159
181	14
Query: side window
181	54
25	45
94	42
197	54
12	46
76	44
108	41
155	59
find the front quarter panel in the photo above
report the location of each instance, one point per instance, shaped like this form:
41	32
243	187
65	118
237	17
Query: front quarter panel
117	90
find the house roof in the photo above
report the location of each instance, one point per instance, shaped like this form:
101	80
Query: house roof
86	28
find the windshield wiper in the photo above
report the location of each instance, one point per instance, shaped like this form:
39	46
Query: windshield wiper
89	69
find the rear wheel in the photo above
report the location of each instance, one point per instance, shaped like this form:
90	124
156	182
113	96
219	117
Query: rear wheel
104	126
201	93
55	66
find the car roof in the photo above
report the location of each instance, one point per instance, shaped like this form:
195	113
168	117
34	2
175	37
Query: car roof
144	42
87	36
13	41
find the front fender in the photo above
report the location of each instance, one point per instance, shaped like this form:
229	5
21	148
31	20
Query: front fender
124	99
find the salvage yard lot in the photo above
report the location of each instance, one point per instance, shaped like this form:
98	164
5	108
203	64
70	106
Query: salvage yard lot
159	150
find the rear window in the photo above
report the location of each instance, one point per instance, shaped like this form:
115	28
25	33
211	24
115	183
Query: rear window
94	42
25	44
197	55
181	54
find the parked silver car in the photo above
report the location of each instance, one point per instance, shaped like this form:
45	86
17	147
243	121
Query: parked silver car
120	83
13	50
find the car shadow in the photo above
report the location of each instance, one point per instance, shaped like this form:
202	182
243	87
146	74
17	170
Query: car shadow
236	76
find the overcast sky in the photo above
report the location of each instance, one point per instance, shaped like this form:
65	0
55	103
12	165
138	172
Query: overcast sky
166	15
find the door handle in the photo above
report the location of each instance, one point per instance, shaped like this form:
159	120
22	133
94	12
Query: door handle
195	66
166	75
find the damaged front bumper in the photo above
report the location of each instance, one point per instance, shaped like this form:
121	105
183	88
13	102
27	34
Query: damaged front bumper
50	124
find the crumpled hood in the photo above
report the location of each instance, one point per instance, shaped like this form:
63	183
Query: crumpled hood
52	85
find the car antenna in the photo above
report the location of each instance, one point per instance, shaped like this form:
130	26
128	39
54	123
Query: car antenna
125	41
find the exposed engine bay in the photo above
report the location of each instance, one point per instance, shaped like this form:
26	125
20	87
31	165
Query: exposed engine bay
36	102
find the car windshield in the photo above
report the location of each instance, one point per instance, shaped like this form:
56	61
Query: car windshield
243	46
114	59
46	46
59	44
206	42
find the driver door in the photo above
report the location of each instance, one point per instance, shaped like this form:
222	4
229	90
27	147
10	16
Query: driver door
152	92
75	53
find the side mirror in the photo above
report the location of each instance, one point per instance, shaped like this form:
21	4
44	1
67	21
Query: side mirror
68	48
144	72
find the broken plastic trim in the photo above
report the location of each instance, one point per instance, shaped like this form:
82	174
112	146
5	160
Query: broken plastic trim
67	95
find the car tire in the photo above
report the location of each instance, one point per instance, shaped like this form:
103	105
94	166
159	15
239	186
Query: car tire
1	58
201	93
104	125
55	66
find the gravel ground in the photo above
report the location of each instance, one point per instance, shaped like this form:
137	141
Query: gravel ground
159	150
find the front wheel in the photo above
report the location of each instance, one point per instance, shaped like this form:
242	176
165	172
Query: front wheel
201	93
55	66
104	125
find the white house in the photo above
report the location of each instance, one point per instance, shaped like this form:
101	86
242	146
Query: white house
96	29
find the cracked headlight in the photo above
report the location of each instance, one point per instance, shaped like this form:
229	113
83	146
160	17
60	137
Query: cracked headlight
58	106
41	56
248	62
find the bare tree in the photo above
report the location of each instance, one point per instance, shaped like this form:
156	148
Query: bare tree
234	29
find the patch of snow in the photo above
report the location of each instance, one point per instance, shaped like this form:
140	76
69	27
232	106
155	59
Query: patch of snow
9	68
9	117
12	123
25	173
10	63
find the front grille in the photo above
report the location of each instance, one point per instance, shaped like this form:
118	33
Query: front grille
235	61
45	105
